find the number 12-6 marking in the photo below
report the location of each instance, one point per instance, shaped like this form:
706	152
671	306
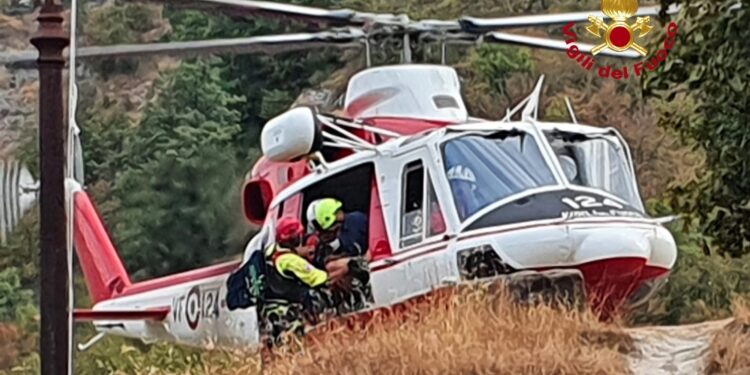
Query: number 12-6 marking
585	201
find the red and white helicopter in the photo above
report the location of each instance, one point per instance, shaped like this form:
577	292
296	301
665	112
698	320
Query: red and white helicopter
450	198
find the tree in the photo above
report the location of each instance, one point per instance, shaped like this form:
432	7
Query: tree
181	164
175	211
115	23
702	94
270	83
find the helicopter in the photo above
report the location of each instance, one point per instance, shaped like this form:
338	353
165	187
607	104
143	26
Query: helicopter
547	201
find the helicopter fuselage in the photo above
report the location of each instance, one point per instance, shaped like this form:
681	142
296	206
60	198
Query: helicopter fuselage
422	233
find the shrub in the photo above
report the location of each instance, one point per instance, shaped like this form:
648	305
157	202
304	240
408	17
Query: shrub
730	349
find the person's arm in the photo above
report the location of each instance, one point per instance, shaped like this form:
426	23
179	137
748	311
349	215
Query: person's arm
353	237
300	267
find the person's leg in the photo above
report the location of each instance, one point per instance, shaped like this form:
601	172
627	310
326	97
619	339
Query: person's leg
361	289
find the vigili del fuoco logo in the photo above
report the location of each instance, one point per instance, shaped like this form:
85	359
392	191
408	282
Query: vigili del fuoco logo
619	35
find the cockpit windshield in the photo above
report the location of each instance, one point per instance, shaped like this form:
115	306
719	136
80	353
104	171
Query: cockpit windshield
482	170
599	163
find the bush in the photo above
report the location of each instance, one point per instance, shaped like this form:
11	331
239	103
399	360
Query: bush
13	299
701	93
117	355
730	348
8	344
701	287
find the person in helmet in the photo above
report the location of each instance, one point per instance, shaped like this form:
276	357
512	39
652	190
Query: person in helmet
295	286
464	185
343	238
310	216
346	234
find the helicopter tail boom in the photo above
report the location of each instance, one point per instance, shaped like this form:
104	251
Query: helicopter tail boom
102	267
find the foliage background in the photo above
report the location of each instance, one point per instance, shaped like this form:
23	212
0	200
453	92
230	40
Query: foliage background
167	143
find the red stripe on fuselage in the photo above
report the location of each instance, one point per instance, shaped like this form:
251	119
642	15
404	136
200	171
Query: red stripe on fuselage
180	278
158	314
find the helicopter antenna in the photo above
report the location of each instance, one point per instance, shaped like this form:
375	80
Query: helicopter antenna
510	112
407	49
368	52
531	110
570	110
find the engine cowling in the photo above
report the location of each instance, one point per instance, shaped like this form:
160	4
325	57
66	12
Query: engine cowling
291	135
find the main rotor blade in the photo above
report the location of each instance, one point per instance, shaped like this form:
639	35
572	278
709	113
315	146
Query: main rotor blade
335	17
553	44
472	24
263	44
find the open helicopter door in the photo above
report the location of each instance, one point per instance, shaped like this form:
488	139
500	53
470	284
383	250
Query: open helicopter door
417	222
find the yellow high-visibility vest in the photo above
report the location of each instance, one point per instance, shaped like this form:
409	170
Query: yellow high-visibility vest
287	262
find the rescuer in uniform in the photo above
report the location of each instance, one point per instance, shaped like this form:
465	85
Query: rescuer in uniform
343	237
296	288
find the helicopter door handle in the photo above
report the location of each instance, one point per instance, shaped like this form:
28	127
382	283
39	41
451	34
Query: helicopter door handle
449	236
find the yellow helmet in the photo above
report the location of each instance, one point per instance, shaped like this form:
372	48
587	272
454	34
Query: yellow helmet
325	212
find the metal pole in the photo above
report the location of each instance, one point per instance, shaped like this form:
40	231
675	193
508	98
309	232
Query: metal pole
50	40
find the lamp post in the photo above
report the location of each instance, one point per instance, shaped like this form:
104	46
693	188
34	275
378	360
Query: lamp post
51	40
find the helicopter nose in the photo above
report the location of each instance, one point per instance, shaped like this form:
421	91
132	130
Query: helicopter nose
599	245
612	263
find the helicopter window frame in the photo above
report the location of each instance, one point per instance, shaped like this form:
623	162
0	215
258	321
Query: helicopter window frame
428	200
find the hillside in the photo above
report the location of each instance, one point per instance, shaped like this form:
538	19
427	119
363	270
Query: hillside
17	88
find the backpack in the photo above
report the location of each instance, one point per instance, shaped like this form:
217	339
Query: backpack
246	285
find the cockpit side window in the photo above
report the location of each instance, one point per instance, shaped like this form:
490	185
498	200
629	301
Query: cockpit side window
482	170
412	202
598	163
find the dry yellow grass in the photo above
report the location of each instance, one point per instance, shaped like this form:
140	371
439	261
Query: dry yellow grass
730	349
471	334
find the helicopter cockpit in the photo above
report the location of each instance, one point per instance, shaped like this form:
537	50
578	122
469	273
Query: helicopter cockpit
482	170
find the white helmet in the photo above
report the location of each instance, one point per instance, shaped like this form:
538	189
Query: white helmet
310	215
461	173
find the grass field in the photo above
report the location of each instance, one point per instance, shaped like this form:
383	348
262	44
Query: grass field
473	333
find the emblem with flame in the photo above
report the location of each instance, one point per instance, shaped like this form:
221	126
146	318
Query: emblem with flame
619	36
